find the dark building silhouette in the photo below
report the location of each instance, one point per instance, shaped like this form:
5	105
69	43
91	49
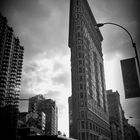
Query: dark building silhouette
31	124
45	137
130	132
48	106
11	59
89	103
115	115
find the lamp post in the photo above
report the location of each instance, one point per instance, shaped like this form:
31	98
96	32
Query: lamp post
132	41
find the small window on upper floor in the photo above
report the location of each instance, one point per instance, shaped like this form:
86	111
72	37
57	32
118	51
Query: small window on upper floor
81	95
80	62
79	55
77	2
81	78
80	70
82	125
81	86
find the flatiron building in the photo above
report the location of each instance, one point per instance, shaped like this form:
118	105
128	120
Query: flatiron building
89	119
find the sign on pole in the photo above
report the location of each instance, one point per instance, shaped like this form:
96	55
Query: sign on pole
131	78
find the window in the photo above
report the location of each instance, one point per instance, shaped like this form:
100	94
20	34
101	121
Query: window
82	125
83	135
80	70
81	95
77	27
81	86
83	69
81	78
93	127
80	62
86	124
90	136
87	135
82	103
77	2
96	129
78	9
82	114
80	41
79	55
90	126
78	34
79	47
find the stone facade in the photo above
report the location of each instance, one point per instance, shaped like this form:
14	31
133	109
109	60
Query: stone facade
89	103
115	115
39	104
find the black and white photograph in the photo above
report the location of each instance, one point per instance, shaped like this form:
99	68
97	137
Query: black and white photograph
69	69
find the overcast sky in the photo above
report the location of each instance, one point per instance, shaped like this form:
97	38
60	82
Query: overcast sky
42	26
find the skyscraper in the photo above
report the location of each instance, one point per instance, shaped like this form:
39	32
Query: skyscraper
39	104
11	58
89	102
115	115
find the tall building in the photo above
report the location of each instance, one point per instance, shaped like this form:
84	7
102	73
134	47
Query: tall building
11	59
115	115
89	102
34	103
48	106
130	132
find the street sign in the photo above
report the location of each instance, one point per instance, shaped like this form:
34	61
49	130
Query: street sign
131	78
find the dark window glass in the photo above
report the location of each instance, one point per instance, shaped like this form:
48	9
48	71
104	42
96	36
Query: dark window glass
80	62
81	86
93	127
82	114
90	126
79	47
77	2
81	78
79	55
80	70
90	136
81	95
86	124
82	125
83	135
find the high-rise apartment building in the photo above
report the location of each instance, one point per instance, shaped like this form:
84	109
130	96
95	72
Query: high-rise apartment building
89	103
115	115
11	59
48	106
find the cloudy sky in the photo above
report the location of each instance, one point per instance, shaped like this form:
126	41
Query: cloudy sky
42	26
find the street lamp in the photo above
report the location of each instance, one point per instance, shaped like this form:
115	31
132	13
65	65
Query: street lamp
132	41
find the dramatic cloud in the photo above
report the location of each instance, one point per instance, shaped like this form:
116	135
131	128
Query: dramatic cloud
41	25
123	12
63	78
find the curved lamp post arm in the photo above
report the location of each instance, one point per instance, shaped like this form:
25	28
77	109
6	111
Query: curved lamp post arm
132	41
102	24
